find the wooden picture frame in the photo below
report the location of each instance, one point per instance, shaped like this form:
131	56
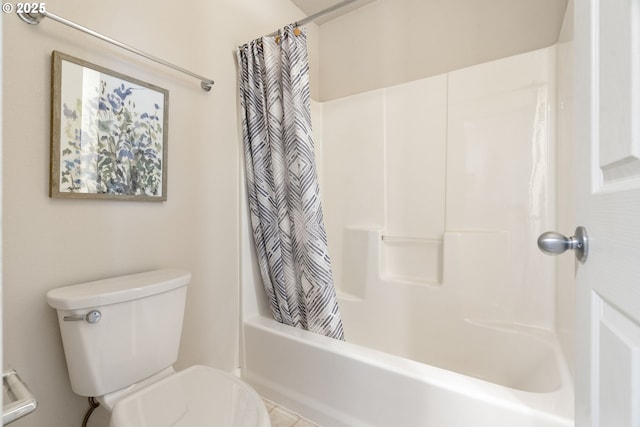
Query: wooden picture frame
109	134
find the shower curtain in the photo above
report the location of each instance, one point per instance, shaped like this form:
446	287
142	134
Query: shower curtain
282	185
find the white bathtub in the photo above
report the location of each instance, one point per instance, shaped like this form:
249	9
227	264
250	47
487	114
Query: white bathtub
453	354
337	384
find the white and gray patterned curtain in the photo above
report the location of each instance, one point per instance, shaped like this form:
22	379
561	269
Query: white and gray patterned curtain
282	185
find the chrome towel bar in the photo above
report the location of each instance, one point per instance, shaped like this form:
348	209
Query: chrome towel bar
34	18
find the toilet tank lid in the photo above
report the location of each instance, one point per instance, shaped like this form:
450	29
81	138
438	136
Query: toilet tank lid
117	289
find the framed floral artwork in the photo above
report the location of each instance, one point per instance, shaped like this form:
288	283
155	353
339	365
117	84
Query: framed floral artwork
108	134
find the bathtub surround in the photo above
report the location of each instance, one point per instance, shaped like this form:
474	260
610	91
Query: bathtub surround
457	184
282	185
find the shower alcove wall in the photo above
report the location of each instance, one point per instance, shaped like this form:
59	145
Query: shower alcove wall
436	190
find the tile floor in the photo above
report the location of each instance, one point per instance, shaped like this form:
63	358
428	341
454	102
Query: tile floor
281	417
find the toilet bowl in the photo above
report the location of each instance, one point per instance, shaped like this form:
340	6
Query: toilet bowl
198	396
121	337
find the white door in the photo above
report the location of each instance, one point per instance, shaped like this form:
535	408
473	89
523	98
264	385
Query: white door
607	67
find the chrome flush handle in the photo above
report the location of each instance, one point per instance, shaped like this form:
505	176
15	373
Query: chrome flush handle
93	316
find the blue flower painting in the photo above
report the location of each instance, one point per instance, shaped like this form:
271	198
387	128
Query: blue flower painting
112	138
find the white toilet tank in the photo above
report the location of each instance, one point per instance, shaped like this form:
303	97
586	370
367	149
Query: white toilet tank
119	331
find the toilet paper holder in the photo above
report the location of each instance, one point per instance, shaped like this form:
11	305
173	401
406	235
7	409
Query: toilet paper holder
18	400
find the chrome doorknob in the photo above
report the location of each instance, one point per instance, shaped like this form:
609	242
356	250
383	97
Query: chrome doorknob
553	243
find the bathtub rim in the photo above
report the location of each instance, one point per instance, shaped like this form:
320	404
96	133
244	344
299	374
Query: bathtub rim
556	406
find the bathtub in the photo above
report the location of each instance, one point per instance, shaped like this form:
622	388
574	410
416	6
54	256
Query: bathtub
336	383
455	353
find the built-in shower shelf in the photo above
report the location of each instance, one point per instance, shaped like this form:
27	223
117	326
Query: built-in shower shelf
17	399
411	259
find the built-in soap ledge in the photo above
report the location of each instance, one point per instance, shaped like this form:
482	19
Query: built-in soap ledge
17	400
409	259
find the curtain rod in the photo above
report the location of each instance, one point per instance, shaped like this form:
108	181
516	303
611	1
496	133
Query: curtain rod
317	15
34	18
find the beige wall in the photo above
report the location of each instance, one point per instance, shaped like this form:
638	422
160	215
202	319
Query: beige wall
566	265
394	41
49	243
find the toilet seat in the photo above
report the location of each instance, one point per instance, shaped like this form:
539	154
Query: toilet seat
199	396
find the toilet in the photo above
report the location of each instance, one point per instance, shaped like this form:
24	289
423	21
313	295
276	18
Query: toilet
121	337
